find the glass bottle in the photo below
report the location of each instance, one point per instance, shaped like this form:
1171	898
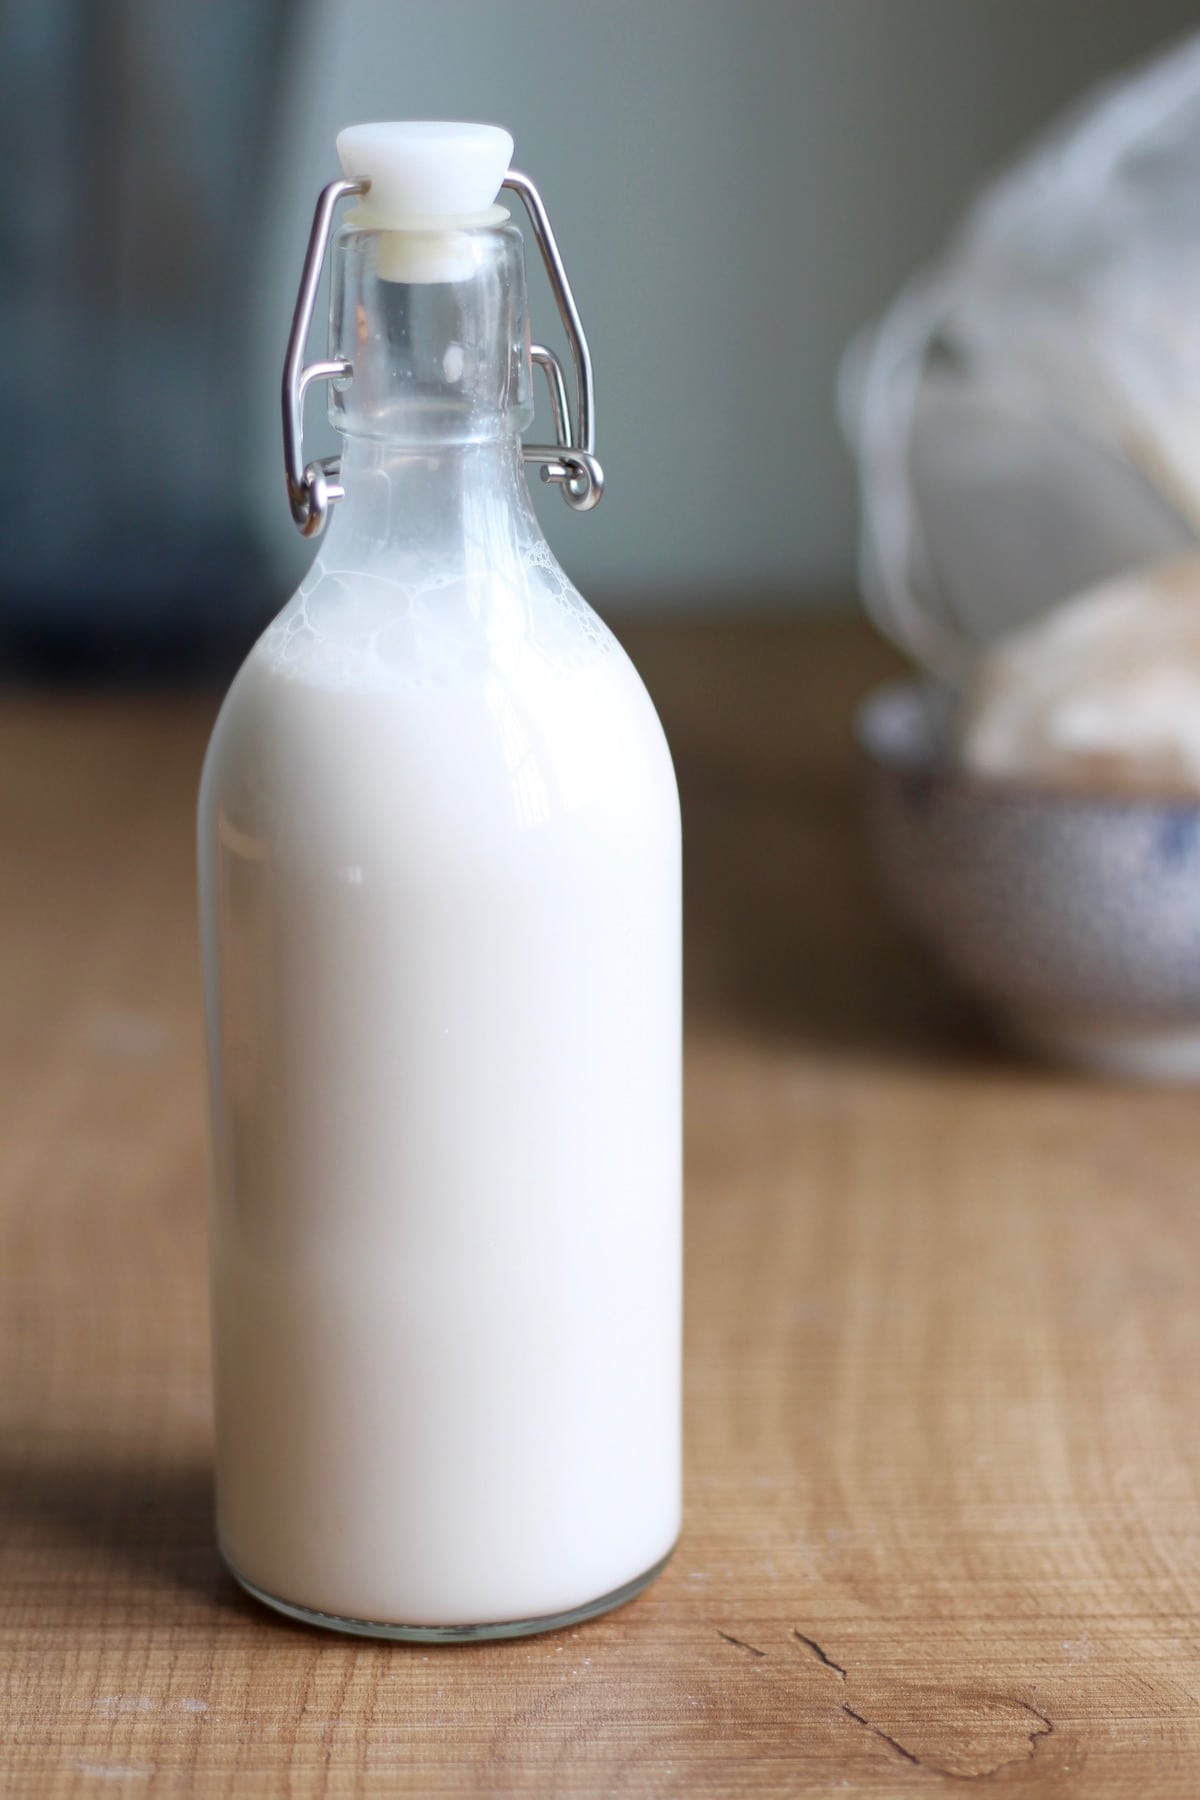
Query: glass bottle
440	903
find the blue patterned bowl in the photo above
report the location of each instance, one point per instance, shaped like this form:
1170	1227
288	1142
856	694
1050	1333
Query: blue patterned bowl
1074	916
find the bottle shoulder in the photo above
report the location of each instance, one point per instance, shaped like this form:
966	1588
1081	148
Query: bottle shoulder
448	716
406	623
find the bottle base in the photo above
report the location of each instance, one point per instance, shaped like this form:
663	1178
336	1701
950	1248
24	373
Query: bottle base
452	1634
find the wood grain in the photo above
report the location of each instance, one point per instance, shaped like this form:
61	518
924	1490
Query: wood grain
943	1509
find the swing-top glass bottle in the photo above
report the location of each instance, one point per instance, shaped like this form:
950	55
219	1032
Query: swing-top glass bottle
440	896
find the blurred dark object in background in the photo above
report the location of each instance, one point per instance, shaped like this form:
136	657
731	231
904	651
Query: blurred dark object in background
128	129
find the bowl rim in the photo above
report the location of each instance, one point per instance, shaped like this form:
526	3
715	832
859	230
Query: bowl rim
932	762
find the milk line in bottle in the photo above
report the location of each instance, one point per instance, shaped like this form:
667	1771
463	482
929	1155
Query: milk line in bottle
440	905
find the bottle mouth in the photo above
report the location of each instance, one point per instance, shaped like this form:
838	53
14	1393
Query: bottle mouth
430	251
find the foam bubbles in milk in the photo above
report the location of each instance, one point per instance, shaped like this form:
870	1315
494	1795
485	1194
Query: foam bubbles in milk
367	632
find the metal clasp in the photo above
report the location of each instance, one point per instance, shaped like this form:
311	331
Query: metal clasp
570	462
312	487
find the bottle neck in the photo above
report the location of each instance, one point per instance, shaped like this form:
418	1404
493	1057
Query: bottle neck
434	326
457	508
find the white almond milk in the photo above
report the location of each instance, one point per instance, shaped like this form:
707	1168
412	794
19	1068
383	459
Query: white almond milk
439	850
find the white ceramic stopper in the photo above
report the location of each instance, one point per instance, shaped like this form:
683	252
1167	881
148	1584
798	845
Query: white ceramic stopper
430	180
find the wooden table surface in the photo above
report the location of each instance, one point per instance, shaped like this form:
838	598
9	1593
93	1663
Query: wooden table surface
943	1369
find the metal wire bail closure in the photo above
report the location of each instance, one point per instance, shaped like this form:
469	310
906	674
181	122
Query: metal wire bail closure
570	462
312	488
